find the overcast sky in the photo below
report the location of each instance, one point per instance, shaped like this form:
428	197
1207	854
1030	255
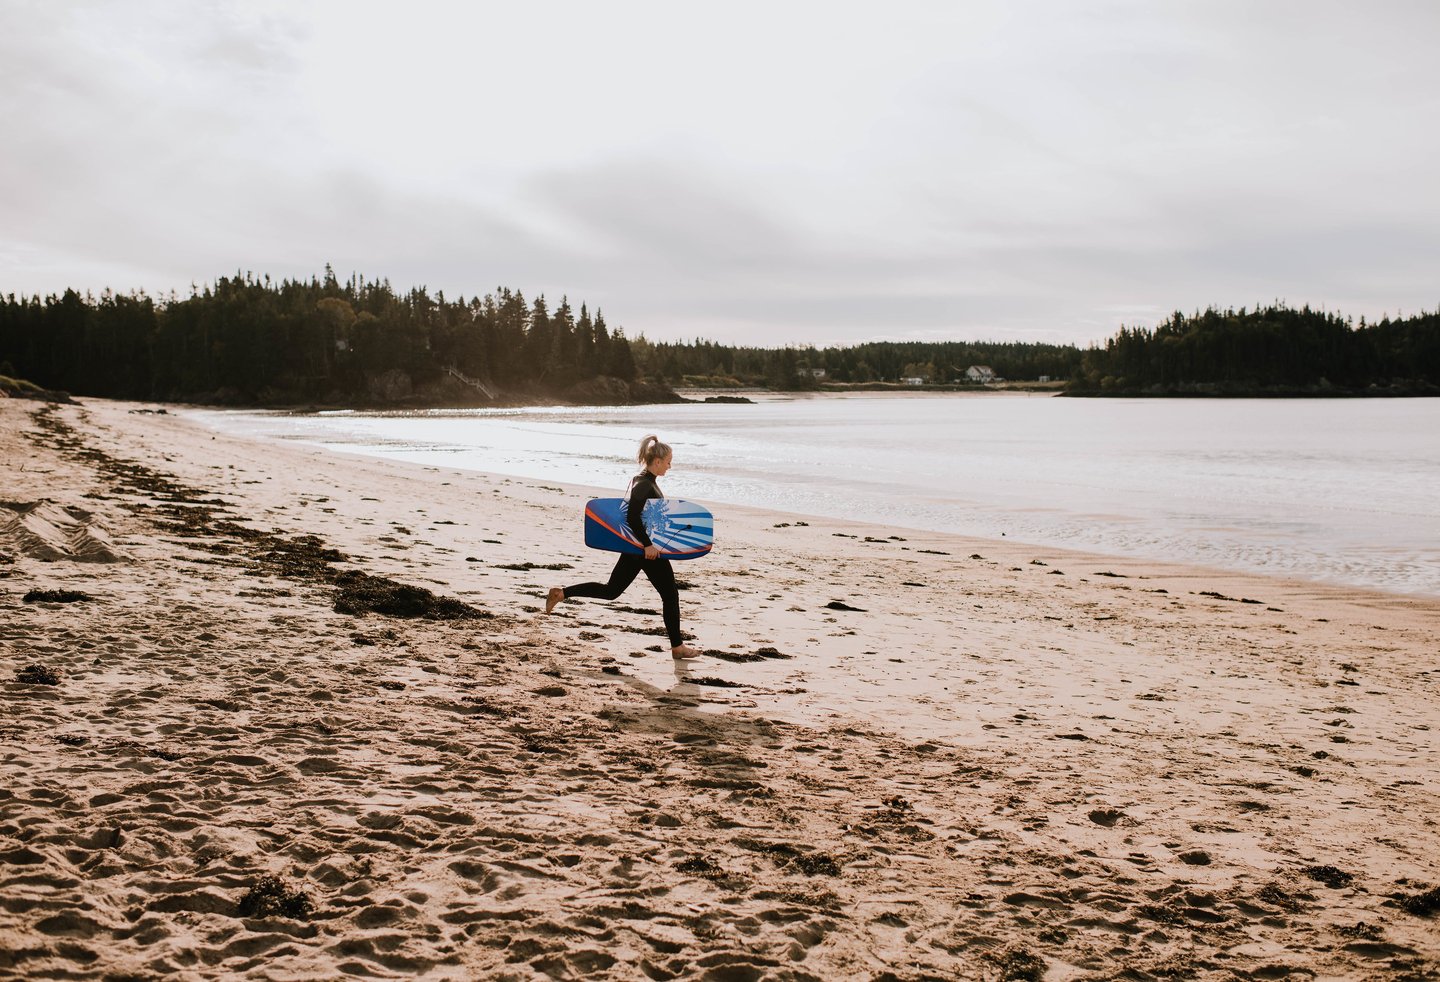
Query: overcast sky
777	172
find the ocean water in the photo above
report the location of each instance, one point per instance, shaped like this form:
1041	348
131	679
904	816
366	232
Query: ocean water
1337	491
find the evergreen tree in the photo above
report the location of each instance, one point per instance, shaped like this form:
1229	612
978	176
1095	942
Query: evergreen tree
620	363
538	341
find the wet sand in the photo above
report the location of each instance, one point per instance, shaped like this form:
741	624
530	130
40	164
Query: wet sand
274	712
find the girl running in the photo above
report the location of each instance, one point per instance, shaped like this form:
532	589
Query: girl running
655	457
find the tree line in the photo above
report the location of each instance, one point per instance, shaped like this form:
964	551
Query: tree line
1273	350
248	340
936	363
252	341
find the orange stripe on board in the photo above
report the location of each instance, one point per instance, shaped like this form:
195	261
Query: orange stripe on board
627	535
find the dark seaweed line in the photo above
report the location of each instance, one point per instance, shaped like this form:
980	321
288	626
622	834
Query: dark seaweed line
192	514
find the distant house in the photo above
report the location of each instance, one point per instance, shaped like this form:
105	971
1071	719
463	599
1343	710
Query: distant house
982	374
816	372
1044	378
913	380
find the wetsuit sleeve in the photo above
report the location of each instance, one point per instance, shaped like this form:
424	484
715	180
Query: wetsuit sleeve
641	491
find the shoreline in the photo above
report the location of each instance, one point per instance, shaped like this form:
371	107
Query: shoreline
969	751
1319	562
961	543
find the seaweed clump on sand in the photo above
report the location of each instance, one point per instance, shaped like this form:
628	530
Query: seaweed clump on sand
1287	900
702	866
788	857
360	593
1422	904
1329	875
760	654
304	557
270	898
38	675
56	597
1019	965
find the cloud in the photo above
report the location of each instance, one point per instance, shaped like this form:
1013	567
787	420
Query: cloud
1039	170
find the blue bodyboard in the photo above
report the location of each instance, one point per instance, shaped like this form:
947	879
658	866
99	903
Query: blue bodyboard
681	529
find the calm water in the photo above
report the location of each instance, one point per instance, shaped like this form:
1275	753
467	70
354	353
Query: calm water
1342	491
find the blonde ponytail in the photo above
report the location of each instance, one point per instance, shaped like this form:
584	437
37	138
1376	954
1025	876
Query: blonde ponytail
651	449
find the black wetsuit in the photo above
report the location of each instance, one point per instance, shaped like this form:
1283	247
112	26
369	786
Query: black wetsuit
657	571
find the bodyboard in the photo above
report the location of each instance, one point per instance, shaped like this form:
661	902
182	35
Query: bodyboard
681	529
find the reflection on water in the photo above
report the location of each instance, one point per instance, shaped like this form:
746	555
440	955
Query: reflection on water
1331	490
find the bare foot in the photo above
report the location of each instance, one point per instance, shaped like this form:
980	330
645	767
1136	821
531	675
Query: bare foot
684	651
552	598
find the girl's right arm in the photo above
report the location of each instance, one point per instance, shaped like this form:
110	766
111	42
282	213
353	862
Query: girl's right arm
634	509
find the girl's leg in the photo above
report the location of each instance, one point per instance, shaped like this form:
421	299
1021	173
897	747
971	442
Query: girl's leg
662	576
624	573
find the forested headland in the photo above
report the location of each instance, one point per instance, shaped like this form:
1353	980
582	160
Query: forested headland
1268	351
252	341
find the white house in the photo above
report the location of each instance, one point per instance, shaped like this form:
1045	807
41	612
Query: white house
913	380
983	374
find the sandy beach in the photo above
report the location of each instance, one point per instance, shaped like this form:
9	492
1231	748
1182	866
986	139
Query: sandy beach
275	712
